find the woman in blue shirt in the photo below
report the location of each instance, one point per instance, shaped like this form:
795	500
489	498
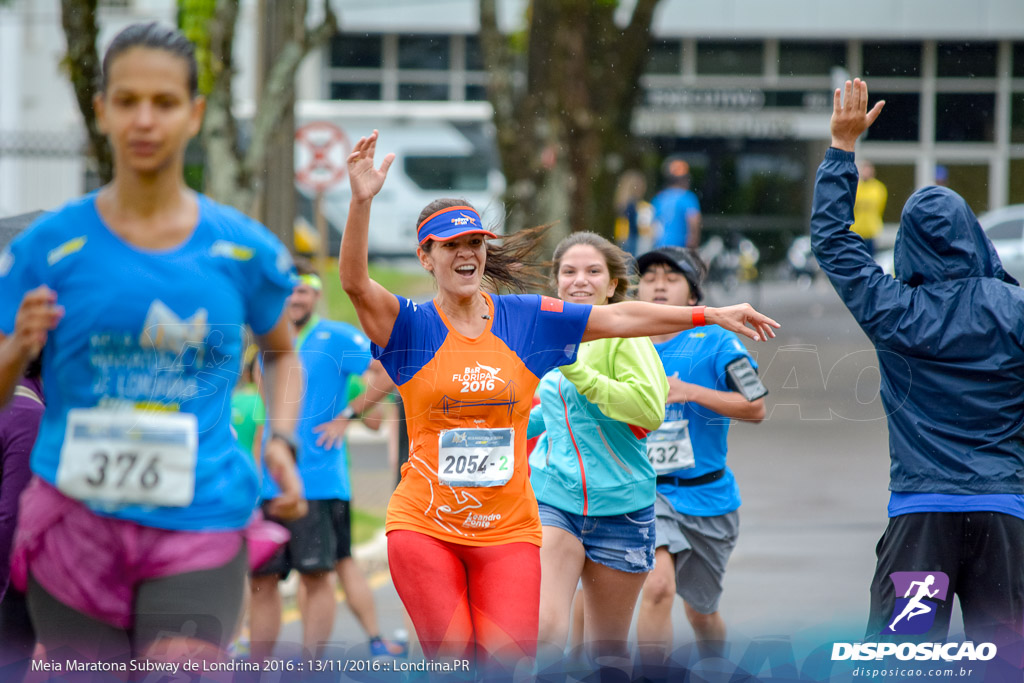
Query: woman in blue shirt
130	537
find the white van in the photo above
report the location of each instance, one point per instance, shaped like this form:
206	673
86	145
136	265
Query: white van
441	150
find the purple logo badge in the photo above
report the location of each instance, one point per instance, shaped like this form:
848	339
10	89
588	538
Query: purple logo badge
914	612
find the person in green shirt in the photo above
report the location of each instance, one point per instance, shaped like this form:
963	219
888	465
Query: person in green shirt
248	413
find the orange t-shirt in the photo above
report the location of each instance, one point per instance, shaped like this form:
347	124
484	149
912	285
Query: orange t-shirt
479	392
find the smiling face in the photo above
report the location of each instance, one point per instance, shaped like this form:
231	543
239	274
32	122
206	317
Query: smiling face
457	264
147	110
662	284
583	276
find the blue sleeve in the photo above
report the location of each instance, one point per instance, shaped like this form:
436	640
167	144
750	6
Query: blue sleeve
544	331
273	278
877	301
18	274
356	355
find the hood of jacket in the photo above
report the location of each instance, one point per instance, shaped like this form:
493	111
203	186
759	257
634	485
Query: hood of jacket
940	240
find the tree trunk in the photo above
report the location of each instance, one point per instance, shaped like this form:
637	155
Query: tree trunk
239	177
564	109
84	69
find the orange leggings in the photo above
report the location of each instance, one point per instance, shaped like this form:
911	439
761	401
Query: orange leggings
461	596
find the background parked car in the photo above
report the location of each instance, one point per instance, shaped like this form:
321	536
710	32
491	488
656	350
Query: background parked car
1005	227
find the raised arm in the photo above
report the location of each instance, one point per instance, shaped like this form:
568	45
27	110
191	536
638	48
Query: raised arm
642	319
376	307
875	300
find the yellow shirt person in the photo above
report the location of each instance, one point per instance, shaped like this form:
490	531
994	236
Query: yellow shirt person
869	205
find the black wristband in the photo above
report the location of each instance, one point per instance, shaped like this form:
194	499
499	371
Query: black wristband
289	440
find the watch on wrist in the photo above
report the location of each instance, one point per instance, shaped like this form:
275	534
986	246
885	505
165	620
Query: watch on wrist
349	413
289	440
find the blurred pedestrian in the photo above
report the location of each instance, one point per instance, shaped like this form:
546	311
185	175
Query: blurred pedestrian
634	216
869	206
677	214
19	425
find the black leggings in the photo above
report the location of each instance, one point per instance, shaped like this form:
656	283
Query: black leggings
203	605
17	637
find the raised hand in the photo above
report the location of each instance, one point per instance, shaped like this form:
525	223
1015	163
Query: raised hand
850	115
742	319
366	180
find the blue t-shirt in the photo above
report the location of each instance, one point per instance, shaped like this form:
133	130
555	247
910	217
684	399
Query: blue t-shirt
672	208
700	356
152	329
331	353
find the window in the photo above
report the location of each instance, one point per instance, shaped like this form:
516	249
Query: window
964	117
900	184
355	91
901	121
474	54
1017	181
967	60
356	51
1017	117
467	174
1018	60
423	91
892	59
664	57
476	93
810	58
423	52
730	58
971	182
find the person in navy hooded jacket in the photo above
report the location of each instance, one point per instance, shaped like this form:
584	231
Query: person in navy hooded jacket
949	333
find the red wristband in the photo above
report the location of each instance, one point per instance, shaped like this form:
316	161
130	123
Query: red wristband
698	316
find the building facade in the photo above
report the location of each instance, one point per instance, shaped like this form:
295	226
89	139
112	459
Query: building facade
742	88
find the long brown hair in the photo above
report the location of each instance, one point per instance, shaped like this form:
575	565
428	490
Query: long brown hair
512	264
617	261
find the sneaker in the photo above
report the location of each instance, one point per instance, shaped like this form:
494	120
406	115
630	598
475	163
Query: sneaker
387	648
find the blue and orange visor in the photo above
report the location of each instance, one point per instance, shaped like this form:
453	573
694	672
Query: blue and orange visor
451	222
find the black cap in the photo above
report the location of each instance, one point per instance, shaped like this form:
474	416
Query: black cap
684	261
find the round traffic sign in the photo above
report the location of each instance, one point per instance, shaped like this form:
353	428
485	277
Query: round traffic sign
321	150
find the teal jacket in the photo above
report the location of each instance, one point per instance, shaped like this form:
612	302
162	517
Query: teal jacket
595	415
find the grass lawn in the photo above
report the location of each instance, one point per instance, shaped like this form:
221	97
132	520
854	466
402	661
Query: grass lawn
409	280
365	526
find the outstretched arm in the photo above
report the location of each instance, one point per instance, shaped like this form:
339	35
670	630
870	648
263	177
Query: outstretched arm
376	307
642	319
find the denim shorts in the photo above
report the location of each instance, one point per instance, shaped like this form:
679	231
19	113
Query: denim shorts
622	542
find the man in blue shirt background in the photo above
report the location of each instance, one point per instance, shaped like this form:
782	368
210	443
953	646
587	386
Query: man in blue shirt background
332	353
676	208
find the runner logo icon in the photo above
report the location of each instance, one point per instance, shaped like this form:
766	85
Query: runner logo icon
918	595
